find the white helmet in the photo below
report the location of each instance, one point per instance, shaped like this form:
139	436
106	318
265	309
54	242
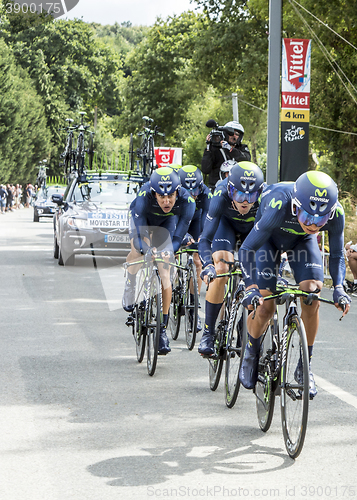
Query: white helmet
226	168
236	126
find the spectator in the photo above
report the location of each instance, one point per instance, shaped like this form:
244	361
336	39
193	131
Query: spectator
229	148
3	197
351	255
10	197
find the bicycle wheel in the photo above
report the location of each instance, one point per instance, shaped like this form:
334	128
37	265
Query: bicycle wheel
154	321
175	306
139	311
80	154
151	155
236	341
191	307
131	152
295	394
216	361
90	151
265	386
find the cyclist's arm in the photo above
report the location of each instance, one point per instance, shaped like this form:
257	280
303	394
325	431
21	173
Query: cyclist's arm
210	227
205	207
139	213
337	266
183	223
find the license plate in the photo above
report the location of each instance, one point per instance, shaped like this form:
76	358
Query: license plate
117	238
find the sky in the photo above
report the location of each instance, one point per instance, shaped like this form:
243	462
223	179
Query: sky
135	11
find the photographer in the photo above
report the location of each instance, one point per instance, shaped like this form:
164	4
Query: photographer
223	143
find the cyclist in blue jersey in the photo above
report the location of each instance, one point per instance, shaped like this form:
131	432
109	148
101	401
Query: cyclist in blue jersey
230	217
159	218
288	220
192	180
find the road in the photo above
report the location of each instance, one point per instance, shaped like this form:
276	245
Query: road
81	419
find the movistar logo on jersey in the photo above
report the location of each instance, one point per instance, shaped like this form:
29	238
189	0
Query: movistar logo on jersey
275	204
217	193
190	199
142	193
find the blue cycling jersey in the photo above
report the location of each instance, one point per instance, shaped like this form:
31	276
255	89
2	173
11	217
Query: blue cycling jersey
277	228
146	213
222	211
202	207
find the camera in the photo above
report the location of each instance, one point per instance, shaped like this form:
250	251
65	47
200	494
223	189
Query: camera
218	133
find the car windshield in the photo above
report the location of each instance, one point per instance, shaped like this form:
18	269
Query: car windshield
106	191
45	193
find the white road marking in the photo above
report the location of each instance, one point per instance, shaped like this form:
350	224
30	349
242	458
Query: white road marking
336	391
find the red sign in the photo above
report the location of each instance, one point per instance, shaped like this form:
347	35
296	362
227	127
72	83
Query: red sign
168	156
299	100
296	53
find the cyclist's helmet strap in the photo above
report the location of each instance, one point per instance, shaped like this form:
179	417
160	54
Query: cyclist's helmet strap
245	177
315	193
164	181
191	179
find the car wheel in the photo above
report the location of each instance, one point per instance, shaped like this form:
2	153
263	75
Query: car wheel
55	248
65	260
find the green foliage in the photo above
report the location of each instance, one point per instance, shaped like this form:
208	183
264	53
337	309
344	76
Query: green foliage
163	78
24	137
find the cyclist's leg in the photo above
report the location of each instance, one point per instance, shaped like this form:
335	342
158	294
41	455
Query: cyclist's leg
222	248
267	265
162	241
133	255
306	263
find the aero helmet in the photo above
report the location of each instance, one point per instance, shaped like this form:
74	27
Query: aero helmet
164	181
245	182
175	167
226	167
237	127
191	179
314	198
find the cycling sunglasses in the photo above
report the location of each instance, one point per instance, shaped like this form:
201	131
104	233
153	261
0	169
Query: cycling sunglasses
240	196
194	191
308	219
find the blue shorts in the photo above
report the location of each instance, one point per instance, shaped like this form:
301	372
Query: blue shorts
226	237
160	236
304	259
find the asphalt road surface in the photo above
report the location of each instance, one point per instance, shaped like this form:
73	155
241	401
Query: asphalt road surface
80	418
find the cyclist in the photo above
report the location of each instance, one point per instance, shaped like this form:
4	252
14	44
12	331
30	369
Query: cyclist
230	218
159	218
231	148
192	180
289	217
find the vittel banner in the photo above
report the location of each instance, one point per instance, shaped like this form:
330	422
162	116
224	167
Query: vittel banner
168	156
295	107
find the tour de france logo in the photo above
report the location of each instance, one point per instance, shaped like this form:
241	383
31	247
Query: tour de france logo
55	9
294	134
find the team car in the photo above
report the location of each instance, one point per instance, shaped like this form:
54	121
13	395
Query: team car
92	216
43	206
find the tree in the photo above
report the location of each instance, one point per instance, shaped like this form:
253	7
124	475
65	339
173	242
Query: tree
24	137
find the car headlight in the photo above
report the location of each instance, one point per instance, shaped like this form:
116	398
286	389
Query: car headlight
76	223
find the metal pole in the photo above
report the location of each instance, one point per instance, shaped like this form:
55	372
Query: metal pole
235	107
273	90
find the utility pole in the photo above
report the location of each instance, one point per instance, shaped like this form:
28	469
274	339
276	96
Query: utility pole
235	107
273	90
